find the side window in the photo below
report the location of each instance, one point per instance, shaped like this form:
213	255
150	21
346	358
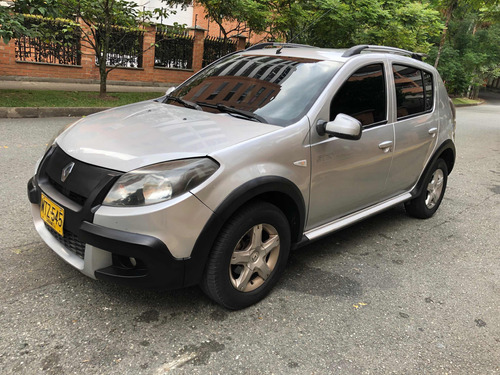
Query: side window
362	96
429	90
414	91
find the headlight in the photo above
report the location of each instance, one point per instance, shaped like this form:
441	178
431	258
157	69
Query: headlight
159	182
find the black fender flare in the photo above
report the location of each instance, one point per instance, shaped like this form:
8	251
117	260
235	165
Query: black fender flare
447	148
259	187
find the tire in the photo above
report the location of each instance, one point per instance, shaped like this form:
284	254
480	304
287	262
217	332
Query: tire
248	257
427	203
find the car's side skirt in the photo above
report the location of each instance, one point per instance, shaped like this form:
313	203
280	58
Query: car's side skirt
355	217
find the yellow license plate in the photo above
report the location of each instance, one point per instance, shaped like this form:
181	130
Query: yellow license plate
52	214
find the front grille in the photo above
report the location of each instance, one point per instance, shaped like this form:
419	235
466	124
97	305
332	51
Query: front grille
77	198
85	182
70	241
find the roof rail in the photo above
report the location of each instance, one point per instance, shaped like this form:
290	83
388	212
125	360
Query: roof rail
276	44
356	50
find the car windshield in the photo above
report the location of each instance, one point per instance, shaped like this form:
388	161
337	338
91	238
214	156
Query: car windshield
276	89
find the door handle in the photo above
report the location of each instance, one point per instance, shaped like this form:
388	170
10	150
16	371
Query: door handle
386	146
433	131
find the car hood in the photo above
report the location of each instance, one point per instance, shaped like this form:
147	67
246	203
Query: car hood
145	133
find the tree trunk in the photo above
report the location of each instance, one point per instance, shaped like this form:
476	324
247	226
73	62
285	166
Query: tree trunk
443	36
103	78
468	94
103	72
104	42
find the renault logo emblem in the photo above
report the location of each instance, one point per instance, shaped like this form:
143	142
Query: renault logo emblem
66	171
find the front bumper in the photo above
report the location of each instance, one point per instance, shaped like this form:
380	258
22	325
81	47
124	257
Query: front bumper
100	241
155	268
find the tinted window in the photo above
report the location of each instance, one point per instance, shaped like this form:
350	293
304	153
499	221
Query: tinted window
414	95
278	88
429	92
362	96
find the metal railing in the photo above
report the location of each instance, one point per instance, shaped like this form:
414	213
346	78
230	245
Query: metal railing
174	51
57	43
214	48
125	48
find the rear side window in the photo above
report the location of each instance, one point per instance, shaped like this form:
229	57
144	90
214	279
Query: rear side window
363	96
429	91
414	91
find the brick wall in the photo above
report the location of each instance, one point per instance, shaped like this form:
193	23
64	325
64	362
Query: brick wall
89	72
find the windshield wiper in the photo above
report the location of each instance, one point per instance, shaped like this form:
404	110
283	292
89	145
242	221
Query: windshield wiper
185	103
236	111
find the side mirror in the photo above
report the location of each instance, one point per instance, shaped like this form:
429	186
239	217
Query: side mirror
344	126
169	90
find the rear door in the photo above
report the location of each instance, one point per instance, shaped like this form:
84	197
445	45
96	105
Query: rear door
416	127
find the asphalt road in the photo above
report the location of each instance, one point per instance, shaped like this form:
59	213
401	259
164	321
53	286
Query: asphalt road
390	295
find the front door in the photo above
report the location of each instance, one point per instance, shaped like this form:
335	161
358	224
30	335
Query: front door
349	175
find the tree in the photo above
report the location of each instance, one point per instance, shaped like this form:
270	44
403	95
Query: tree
240	15
344	23
447	7
290	19
471	51
104	20
12	20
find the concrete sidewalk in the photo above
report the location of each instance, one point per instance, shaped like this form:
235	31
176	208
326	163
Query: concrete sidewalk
6	84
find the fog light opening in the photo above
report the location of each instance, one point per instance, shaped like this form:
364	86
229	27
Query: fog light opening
126	262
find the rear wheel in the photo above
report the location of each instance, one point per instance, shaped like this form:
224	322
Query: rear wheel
427	203
248	257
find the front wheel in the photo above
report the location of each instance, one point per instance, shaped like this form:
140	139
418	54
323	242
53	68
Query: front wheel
427	203
248	256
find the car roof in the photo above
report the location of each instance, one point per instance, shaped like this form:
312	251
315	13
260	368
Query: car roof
310	53
342	55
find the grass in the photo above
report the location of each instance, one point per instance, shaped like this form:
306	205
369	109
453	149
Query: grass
459	101
49	98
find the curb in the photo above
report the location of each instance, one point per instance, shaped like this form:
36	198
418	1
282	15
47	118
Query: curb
41	112
467	105
470	105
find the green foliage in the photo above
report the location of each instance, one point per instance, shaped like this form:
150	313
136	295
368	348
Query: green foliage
464	33
13	19
246	14
45	8
343	23
60	31
471	52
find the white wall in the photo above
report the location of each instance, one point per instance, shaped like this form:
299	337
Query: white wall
181	17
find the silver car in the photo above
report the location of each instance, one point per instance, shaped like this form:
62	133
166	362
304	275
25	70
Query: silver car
259	153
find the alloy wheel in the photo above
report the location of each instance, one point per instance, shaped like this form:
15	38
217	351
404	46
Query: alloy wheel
434	189
254	257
